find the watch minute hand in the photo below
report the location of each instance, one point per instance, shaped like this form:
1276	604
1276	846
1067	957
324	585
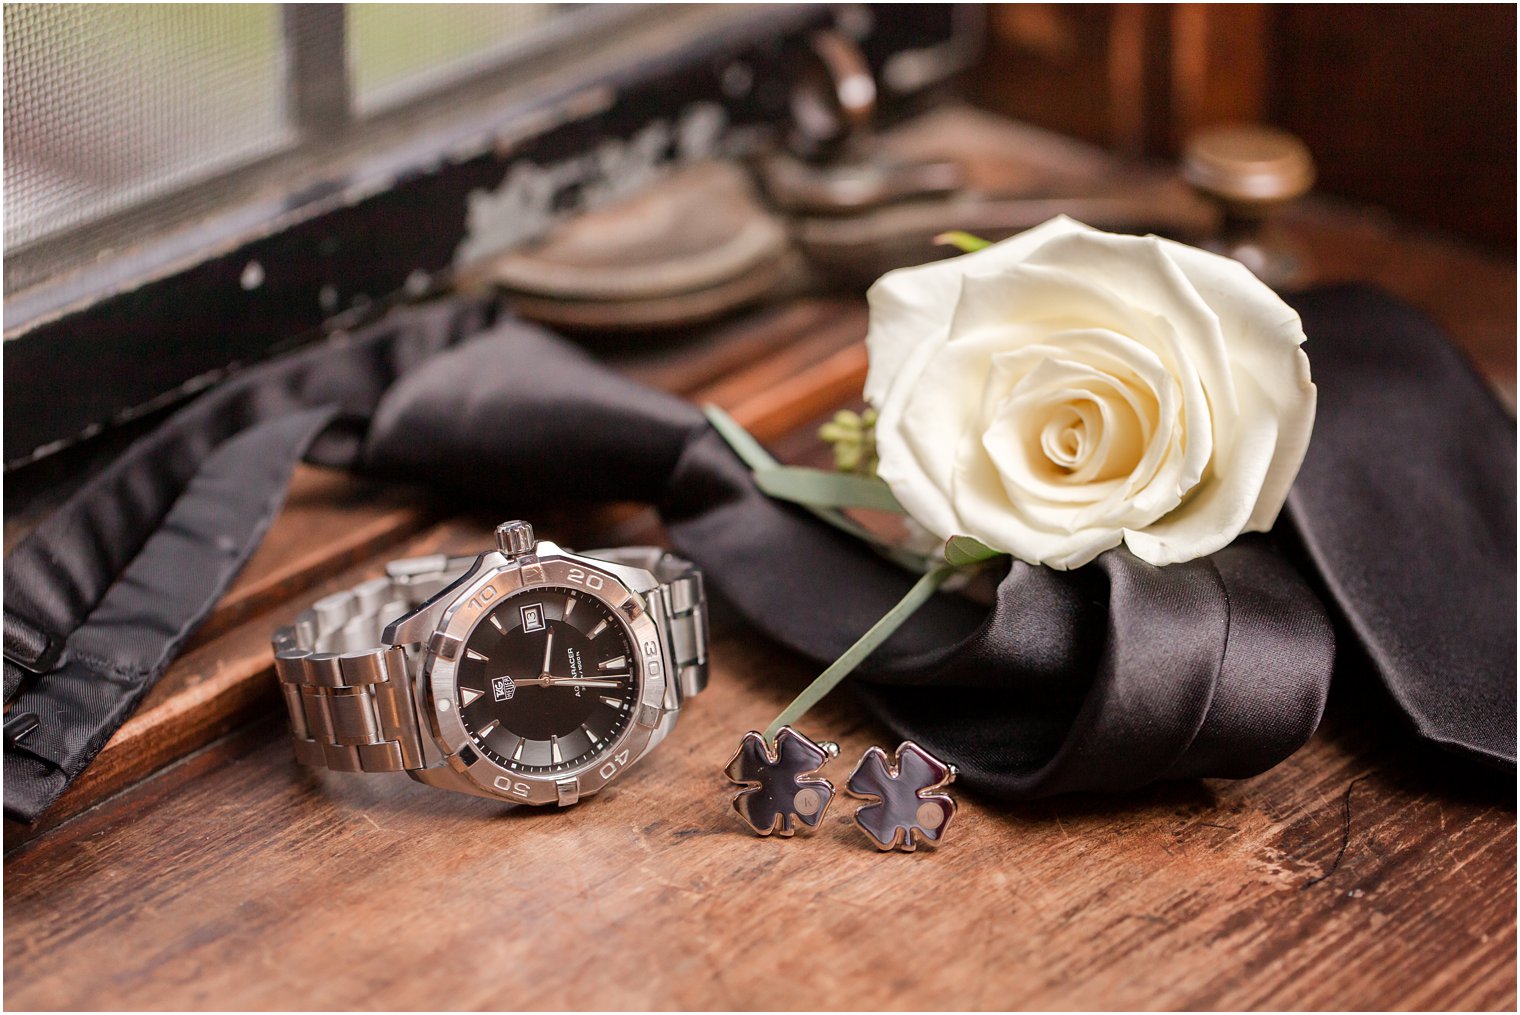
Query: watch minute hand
551	681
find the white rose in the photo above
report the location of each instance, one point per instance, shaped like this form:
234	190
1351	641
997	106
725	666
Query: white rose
1067	389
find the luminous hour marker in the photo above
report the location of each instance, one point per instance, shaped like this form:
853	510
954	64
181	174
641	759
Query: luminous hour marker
569	605
476	655
487	728
598	629
517	754
496	623
467	696
615	663
589	735
554	754
614	702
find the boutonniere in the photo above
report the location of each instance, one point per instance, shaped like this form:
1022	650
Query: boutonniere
1052	396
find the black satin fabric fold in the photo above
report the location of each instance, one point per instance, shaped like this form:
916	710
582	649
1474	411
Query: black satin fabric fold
57	574
1406	508
144	618
128	568
1105	678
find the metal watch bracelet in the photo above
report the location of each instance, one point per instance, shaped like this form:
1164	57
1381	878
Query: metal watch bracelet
350	697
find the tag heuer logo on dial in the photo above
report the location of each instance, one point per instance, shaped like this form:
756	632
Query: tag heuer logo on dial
503	688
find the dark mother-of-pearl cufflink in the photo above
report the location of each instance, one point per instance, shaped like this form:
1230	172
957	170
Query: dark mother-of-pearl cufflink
905	807
781	785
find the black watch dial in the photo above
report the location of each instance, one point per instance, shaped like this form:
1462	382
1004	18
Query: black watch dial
547	680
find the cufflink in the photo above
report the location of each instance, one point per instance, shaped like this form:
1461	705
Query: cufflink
781	786
904	807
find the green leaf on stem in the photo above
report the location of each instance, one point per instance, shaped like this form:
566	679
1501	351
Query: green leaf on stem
758	459
961	551
819	488
741	440
965	242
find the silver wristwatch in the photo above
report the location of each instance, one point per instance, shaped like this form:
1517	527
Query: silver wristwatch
529	673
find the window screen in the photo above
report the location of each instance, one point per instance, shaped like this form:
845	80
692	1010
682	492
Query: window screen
121	120
109	105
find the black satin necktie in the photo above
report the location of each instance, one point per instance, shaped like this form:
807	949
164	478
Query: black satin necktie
1406	507
1105	678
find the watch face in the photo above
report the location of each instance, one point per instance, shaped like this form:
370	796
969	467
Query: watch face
547	680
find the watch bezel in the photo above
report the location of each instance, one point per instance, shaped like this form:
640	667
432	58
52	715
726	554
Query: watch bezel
470	607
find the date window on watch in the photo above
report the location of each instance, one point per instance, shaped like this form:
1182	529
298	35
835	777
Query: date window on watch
533	618
503	688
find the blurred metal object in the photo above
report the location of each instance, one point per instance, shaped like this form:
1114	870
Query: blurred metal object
1250	167
858	249
958	168
835	165
795	186
686	249
833	97
1250	171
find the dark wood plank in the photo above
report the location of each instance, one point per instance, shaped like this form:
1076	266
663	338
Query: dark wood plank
1350	876
1408	106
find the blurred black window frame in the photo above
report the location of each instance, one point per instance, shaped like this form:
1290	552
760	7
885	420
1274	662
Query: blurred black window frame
371	209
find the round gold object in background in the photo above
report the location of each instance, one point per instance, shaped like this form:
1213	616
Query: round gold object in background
1248	165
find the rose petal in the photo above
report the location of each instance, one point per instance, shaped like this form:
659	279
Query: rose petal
911	306
1053	298
1218	510
1133	369
933	415
1153	488
921	498
1012	436
1261	328
982	505
1062	300
1139	272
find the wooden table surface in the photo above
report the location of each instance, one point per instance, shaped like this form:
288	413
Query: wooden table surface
1363	872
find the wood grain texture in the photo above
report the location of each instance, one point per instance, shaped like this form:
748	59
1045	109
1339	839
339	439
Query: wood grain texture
1408	106
1350	876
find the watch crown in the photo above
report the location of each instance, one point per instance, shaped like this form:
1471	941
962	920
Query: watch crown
515	538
